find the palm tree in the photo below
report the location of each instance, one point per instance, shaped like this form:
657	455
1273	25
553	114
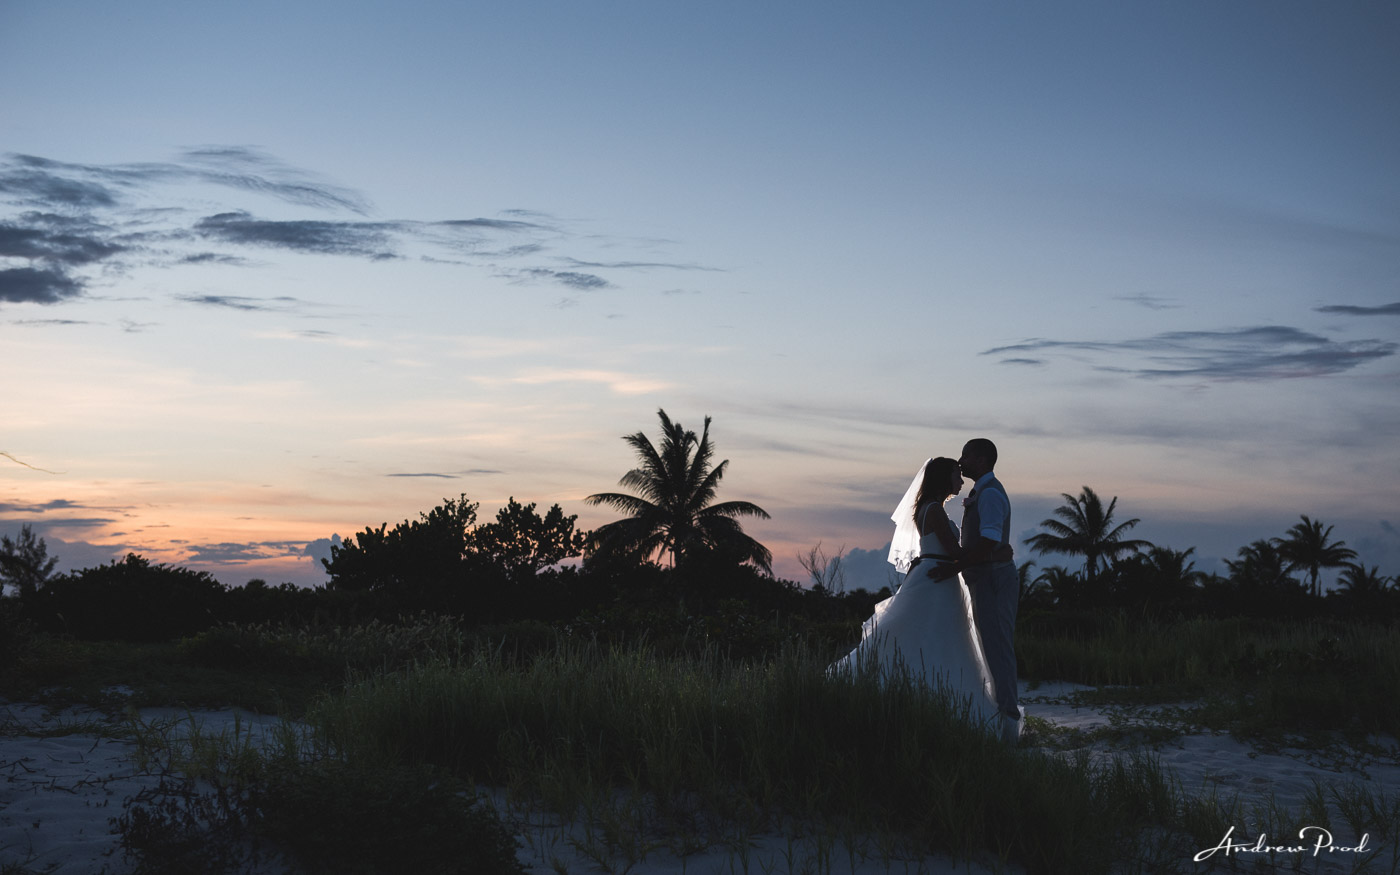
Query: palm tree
1057	585
673	513
1307	546
1262	566
1162	573
1357	580
1085	528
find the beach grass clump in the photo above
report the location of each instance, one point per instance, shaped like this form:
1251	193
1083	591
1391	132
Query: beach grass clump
229	800
1257	678
329	649
764	744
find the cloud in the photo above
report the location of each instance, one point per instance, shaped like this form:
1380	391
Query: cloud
320	549
489	224
443	476
50	322
1267	352
369	239
586	282
70	218
227	553
37	285
212	258
637	265
1350	310
236	302
238	553
79	522
90	186
40	188
1151	302
44	507
53	247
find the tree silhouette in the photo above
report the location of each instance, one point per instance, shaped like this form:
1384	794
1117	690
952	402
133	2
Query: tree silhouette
1085	528
1307	546
1359	580
1162	573
673	512
1055	585
522	542
1262	567
25	563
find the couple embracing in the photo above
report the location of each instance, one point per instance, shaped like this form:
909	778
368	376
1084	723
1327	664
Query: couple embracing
951	622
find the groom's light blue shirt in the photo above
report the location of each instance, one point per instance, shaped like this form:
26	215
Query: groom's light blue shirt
992	508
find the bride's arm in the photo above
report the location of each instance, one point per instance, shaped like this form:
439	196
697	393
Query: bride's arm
943	527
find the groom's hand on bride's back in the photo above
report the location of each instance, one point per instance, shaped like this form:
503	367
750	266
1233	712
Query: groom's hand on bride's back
942	572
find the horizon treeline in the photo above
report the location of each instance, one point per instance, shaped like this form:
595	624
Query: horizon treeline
508	571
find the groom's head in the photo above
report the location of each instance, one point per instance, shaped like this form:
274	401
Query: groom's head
979	456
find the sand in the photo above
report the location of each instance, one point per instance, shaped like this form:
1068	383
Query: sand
61	780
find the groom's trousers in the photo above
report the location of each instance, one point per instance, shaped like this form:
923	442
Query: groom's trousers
996	590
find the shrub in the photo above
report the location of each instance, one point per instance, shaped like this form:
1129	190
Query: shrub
130	600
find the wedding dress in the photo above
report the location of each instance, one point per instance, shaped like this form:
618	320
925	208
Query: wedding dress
926	629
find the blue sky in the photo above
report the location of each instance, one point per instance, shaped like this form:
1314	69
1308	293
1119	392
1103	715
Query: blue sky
277	271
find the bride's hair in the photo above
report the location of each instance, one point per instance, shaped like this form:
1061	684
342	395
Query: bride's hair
937	476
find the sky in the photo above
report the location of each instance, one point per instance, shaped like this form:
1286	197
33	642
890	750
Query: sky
272	273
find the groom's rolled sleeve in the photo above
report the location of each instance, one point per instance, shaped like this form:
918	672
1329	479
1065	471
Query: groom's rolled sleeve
992	510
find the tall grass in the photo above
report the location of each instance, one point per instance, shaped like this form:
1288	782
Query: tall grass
761	743
1260	676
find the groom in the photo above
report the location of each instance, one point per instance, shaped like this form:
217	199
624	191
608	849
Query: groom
990	573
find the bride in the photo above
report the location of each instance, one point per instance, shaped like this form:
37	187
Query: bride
926	627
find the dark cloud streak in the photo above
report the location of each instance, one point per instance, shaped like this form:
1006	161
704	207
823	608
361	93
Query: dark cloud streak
585	282
1267	352
235	302
37	285
74	219
1350	310
368	239
637	265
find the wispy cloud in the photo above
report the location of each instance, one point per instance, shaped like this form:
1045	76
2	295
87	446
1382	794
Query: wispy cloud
41	507
367	239
1351	310
49	239
1267	352
1151	302
236	302
67	220
42	181
636	265
50	322
586	282
238	553
212	258
425	474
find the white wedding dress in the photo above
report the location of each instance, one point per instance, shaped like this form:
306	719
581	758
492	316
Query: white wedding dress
926	629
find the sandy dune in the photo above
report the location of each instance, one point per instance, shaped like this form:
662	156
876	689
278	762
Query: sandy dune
61	780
